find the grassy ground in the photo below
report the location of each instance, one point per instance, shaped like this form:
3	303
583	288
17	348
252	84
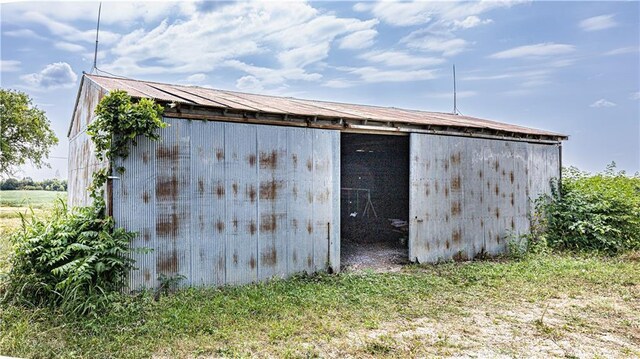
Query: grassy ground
538	307
542	306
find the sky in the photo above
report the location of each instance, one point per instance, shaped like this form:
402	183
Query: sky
568	67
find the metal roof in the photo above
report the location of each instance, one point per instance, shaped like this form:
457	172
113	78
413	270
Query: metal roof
193	95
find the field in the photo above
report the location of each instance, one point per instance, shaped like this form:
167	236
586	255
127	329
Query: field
543	306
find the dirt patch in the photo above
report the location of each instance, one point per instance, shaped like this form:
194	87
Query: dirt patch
604	327
381	256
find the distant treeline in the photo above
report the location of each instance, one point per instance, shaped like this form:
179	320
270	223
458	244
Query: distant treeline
27	183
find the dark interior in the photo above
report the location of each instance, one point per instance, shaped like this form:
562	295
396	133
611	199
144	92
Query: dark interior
374	167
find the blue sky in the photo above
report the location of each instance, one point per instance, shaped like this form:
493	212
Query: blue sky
569	67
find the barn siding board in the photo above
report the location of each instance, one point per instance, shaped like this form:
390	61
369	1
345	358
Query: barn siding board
214	202
467	195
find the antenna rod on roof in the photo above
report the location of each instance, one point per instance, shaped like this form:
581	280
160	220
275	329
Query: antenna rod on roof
455	107
95	53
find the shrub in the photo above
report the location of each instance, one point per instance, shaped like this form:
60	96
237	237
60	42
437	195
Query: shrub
594	212
76	260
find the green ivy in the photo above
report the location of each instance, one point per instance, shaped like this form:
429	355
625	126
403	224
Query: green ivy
118	124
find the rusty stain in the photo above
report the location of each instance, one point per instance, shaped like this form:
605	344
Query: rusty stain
147	275
437	187
456	236
427	190
309	165
513	202
147	236
235	258
513	224
456	208
200	185
309	227
252	262
446	165
145	197
201	221
220	226
269	258
295	191
496	165
252	227
456	183
269	160
221	264
294	223
167	225
168	153
480	174
235	223
504	173
455	158
251	193
295	256
294	158
252	160
446	191
234	187
220	190
309	261
268	223
220	154
481	222
498	238
447	244
167	188
446	217
512	177
269	190
496	189
310	196
460	256
497	212
168	264
145	157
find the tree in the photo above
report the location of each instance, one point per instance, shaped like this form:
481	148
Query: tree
25	133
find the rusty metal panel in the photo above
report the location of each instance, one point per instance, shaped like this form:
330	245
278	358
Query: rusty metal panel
241	166
300	247
272	201
334	231
322	187
208	204
469	195
134	208
173	205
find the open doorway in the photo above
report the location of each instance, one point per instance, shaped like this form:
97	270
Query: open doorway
374	200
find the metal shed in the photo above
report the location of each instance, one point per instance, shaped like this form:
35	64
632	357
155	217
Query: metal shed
244	187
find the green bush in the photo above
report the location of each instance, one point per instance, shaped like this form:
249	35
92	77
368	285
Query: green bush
594	212
76	260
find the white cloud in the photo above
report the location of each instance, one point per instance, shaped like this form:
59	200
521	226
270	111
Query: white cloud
602	103
370	74
196	78
622	51
470	21
358	40
67	46
634	95
9	65
23	33
400	59
295	34
68	32
444	13
598	23
424	40
339	83
534	51
55	75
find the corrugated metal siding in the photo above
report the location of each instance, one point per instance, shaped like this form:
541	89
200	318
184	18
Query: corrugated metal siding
82	162
469	195
231	203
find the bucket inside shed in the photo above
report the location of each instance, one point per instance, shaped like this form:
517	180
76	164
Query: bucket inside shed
374	200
